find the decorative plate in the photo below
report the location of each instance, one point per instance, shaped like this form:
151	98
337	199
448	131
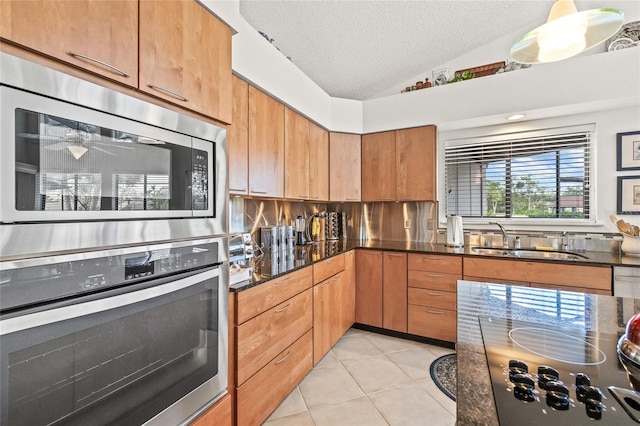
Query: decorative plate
627	36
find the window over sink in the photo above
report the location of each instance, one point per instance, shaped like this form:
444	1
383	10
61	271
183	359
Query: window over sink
541	174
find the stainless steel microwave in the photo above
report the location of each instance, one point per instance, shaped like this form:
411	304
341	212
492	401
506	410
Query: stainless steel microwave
102	166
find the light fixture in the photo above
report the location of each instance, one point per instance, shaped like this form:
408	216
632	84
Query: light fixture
566	33
77	151
515	117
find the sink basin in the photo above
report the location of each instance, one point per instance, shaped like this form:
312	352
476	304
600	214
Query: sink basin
528	253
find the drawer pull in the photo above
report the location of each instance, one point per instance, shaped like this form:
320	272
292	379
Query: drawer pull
280	361
433	312
238	190
314	198
395	254
104	64
435	294
430	258
282	281
352	199
371	253
326	284
433	275
168	92
283	308
303	197
258	192
386	199
329	260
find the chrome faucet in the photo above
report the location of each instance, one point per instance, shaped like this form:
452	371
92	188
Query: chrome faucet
505	238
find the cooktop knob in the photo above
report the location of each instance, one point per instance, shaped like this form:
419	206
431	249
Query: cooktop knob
524	386
594	403
557	395
517	367
546	374
582	385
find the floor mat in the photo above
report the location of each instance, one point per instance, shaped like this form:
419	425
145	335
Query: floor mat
444	373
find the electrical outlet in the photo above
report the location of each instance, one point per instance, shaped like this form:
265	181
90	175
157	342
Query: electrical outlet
407	224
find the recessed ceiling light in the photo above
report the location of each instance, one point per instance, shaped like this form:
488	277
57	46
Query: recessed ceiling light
515	117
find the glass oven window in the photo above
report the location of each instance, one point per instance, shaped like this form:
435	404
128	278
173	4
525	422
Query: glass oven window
67	165
120	366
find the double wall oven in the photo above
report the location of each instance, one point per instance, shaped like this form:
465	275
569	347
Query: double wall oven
113	255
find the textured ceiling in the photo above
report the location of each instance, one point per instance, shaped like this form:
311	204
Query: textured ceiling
356	49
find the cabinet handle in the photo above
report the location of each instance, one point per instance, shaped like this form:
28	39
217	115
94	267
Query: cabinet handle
282	281
433	312
303	197
257	192
352	199
371	253
280	361
283	308
434	294
626	279
433	275
329	260
104	64
386	199
394	254
430	257
238	189
314	198
168	92
326	283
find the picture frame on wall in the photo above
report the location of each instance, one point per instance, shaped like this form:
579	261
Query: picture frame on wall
629	195
628	150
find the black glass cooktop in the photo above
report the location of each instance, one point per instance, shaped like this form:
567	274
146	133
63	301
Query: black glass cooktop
560	376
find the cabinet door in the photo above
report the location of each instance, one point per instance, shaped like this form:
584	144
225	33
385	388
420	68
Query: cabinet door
322	301
416	164
318	163
349	290
296	155
344	167
338	299
99	36
238	139
369	287
378	166
185	56
394	291
266	145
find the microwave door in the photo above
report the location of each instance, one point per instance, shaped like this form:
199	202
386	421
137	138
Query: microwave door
63	162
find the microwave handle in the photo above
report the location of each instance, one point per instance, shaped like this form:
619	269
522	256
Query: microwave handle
37	319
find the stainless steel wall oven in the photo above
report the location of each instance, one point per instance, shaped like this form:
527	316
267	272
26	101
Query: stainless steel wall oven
113	255
124	336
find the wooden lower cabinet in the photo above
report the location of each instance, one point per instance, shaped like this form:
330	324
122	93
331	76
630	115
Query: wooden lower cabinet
394	291
588	279
326	318
263	337
349	291
432	322
218	415
369	287
263	392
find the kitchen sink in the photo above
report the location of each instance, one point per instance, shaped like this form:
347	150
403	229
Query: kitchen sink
528	253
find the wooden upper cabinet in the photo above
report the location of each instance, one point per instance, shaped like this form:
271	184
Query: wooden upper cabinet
318	163
344	167
266	145
378	166
99	36
185	56
296	154
238	139
416	164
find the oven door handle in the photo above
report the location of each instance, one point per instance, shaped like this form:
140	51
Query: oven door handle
36	319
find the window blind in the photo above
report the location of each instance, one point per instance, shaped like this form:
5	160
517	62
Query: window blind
533	175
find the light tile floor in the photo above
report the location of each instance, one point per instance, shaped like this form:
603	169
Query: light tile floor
369	379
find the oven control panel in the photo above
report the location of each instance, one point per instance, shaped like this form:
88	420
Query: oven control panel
72	277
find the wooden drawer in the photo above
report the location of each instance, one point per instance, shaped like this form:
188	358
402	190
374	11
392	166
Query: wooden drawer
433	298
327	268
434	280
259	396
258	299
260	339
218	415
434	323
435	263
594	277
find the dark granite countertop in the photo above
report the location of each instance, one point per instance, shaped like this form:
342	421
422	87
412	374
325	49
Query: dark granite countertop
475	403
274	264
